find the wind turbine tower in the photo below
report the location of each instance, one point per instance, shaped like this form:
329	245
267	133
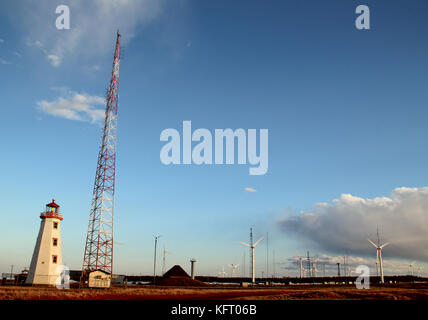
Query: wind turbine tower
314	269
379	255
252	247
301	266
411	268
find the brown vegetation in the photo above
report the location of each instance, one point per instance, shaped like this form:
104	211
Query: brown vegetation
398	292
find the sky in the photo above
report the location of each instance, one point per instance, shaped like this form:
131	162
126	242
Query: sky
346	111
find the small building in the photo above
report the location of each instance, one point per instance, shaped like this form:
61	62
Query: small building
99	279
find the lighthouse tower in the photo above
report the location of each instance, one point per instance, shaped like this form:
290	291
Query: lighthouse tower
47	252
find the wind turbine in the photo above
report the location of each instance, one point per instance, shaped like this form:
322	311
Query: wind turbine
379	255
234	266
314	268
222	273
411	267
252	246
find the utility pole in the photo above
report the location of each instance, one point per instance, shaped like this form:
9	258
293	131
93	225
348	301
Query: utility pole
154	263
267	254
309	265
243	266
274	271
344	265
338	269
164	259
11	272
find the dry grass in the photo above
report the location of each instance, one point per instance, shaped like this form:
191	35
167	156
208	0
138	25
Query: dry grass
400	292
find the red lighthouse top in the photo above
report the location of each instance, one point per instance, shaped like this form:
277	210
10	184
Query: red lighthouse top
52	204
52	211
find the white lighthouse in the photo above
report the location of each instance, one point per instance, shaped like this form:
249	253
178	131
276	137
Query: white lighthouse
47	252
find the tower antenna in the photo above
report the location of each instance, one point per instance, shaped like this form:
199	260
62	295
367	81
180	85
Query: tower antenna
99	240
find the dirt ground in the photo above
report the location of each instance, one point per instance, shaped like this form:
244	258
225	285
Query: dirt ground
340	292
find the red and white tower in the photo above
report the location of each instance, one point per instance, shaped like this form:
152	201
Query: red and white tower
99	240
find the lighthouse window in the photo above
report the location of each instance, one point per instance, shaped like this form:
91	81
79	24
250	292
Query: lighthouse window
55	225
55	242
54	258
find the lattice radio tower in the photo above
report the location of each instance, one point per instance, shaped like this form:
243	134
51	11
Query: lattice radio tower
99	240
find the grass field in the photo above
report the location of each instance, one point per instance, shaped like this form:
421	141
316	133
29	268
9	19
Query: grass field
386	292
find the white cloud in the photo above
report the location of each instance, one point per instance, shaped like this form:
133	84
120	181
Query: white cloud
347	222
2	61
54	60
248	189
74	106
93	26
1	40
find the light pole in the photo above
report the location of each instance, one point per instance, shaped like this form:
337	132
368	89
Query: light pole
11	272
154	263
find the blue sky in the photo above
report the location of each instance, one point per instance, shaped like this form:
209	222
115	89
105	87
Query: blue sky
346	113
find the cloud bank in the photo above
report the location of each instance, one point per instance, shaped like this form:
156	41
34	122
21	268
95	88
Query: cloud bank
347	222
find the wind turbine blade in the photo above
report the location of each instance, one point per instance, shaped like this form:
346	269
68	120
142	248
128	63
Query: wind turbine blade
245	244
257	242
374	244
384	245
